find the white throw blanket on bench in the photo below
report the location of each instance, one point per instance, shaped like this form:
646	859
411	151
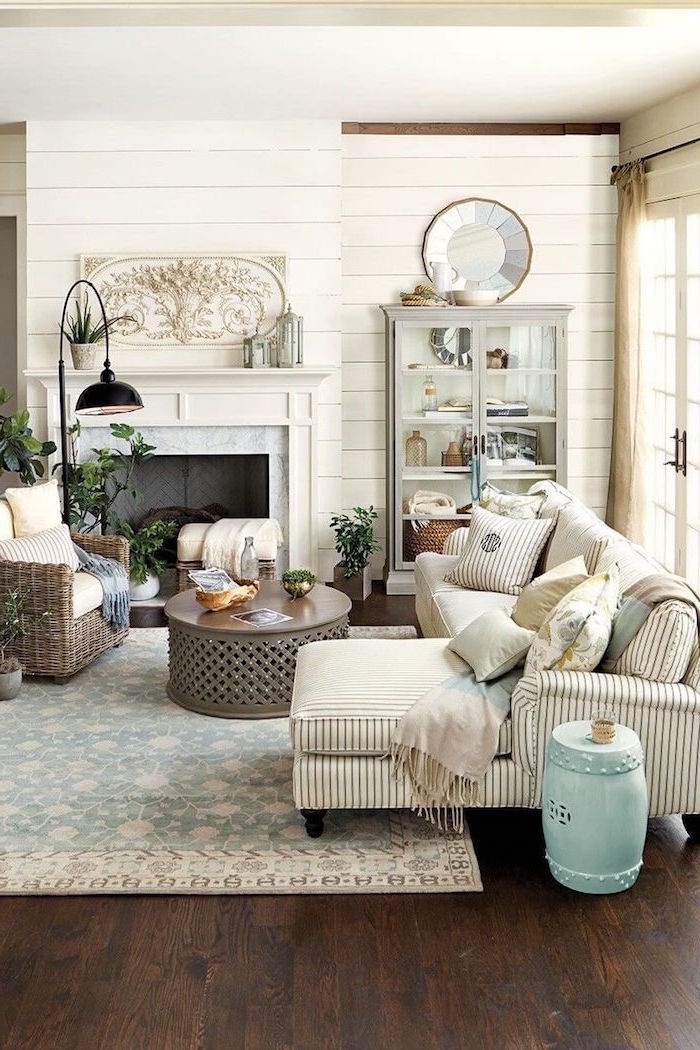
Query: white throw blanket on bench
225	540
448	739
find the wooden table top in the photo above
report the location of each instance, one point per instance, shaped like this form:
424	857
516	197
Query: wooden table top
322	606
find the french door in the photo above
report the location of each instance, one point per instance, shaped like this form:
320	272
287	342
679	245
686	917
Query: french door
672	365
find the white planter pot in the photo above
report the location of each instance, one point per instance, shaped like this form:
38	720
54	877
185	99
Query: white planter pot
84	356
10	684
142	592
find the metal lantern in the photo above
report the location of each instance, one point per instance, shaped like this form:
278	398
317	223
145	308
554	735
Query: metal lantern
290	339
257	351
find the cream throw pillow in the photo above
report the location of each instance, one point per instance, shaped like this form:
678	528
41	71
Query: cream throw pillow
35	508
492	644
575	635
501	553
538	599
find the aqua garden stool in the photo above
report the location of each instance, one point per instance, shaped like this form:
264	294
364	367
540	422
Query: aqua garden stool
594	809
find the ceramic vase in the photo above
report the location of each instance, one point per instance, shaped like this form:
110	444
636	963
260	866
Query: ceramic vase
142	592
10	684
84	356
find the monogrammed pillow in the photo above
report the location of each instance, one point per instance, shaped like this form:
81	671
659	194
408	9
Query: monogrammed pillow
501	553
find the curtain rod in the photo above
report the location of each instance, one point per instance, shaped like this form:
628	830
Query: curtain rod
659	153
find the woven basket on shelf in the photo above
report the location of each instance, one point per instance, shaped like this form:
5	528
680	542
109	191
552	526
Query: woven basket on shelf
432	536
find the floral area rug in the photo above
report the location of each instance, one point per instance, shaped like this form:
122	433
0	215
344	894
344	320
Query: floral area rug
106	786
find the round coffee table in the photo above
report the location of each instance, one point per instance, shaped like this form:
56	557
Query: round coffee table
224	667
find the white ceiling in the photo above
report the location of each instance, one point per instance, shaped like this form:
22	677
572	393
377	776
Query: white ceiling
474	73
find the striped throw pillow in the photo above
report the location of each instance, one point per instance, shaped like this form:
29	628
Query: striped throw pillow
662	647
51	547
456	542
501	553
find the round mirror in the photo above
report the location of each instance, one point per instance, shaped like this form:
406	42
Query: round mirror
484	246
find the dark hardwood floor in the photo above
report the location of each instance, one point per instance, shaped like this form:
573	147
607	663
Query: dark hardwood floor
525	964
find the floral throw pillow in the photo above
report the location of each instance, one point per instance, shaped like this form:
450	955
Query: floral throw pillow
511	504
575	635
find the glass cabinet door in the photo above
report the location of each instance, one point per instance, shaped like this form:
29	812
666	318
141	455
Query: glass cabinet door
519	409
434	433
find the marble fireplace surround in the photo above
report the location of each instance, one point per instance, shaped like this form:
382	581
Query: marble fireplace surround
216	411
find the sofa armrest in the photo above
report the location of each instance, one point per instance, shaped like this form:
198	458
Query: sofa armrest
665	716
116	547
50	587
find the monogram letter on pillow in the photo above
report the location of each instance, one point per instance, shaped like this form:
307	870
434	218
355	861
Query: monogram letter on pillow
501	553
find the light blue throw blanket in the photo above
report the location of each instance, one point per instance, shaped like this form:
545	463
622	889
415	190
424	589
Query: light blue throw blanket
115	585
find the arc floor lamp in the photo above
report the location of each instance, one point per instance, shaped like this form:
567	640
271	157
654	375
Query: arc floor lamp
107	397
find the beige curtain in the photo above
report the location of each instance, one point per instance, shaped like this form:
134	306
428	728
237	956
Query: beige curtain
626	492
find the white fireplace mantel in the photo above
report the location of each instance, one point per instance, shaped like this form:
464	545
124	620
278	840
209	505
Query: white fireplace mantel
222	397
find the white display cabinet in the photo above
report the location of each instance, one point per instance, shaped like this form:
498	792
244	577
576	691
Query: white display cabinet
508	422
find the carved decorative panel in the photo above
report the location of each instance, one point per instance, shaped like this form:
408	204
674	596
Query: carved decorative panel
193	300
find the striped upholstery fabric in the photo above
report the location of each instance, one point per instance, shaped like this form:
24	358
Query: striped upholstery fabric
662	647
444	609
692	675
366	782
456	542
52	547
666	718
633	563
576	529
350	695
501	553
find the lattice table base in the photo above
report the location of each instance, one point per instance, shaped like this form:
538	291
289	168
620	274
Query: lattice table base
234	677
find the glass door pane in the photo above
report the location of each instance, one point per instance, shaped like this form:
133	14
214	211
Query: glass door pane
660	324
434	431
691	420
520	397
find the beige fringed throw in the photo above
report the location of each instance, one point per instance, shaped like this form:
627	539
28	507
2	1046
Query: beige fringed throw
448	739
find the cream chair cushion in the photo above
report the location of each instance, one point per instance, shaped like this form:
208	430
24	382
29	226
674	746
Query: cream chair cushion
7	525
87	594
35	508
190	541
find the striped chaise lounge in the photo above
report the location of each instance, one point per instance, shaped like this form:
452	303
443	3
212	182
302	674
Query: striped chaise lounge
349	695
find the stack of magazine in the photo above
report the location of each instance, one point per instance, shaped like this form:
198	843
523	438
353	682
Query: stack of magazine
211	580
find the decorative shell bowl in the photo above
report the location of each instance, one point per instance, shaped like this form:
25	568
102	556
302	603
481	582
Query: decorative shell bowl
228	599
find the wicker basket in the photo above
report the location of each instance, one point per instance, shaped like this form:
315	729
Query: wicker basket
432	536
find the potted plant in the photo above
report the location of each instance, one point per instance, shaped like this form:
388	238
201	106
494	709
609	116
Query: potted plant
146	565
14	623
355	542
83	334
20	451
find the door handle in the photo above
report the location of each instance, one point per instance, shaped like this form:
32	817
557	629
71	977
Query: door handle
483	444
674	462
476	445
684	461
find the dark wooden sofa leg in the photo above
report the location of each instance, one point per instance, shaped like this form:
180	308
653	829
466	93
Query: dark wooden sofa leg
313	819
691	822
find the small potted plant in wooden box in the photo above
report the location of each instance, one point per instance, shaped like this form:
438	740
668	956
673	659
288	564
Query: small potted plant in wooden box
355	542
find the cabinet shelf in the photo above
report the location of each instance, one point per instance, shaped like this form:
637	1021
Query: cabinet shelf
448	418
433	473
436	517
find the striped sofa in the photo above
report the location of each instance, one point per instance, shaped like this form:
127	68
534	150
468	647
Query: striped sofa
349	695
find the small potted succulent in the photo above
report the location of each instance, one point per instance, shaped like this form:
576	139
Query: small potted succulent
298	582
146	565
14	623
355	542
84	334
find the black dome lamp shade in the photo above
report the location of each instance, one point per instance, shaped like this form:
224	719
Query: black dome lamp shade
107	397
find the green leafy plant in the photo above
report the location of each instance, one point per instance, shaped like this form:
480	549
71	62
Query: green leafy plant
15	622
80	328
145	546
354	538
20	451
298	582
94	484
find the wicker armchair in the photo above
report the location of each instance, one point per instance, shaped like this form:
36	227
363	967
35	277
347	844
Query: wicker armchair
63	645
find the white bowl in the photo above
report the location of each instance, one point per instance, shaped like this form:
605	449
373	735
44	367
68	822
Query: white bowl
476	297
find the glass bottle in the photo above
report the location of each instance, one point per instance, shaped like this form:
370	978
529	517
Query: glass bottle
250	570
430	395
416	450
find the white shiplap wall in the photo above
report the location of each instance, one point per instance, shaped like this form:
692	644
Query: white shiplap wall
13	204
392	187
202	186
